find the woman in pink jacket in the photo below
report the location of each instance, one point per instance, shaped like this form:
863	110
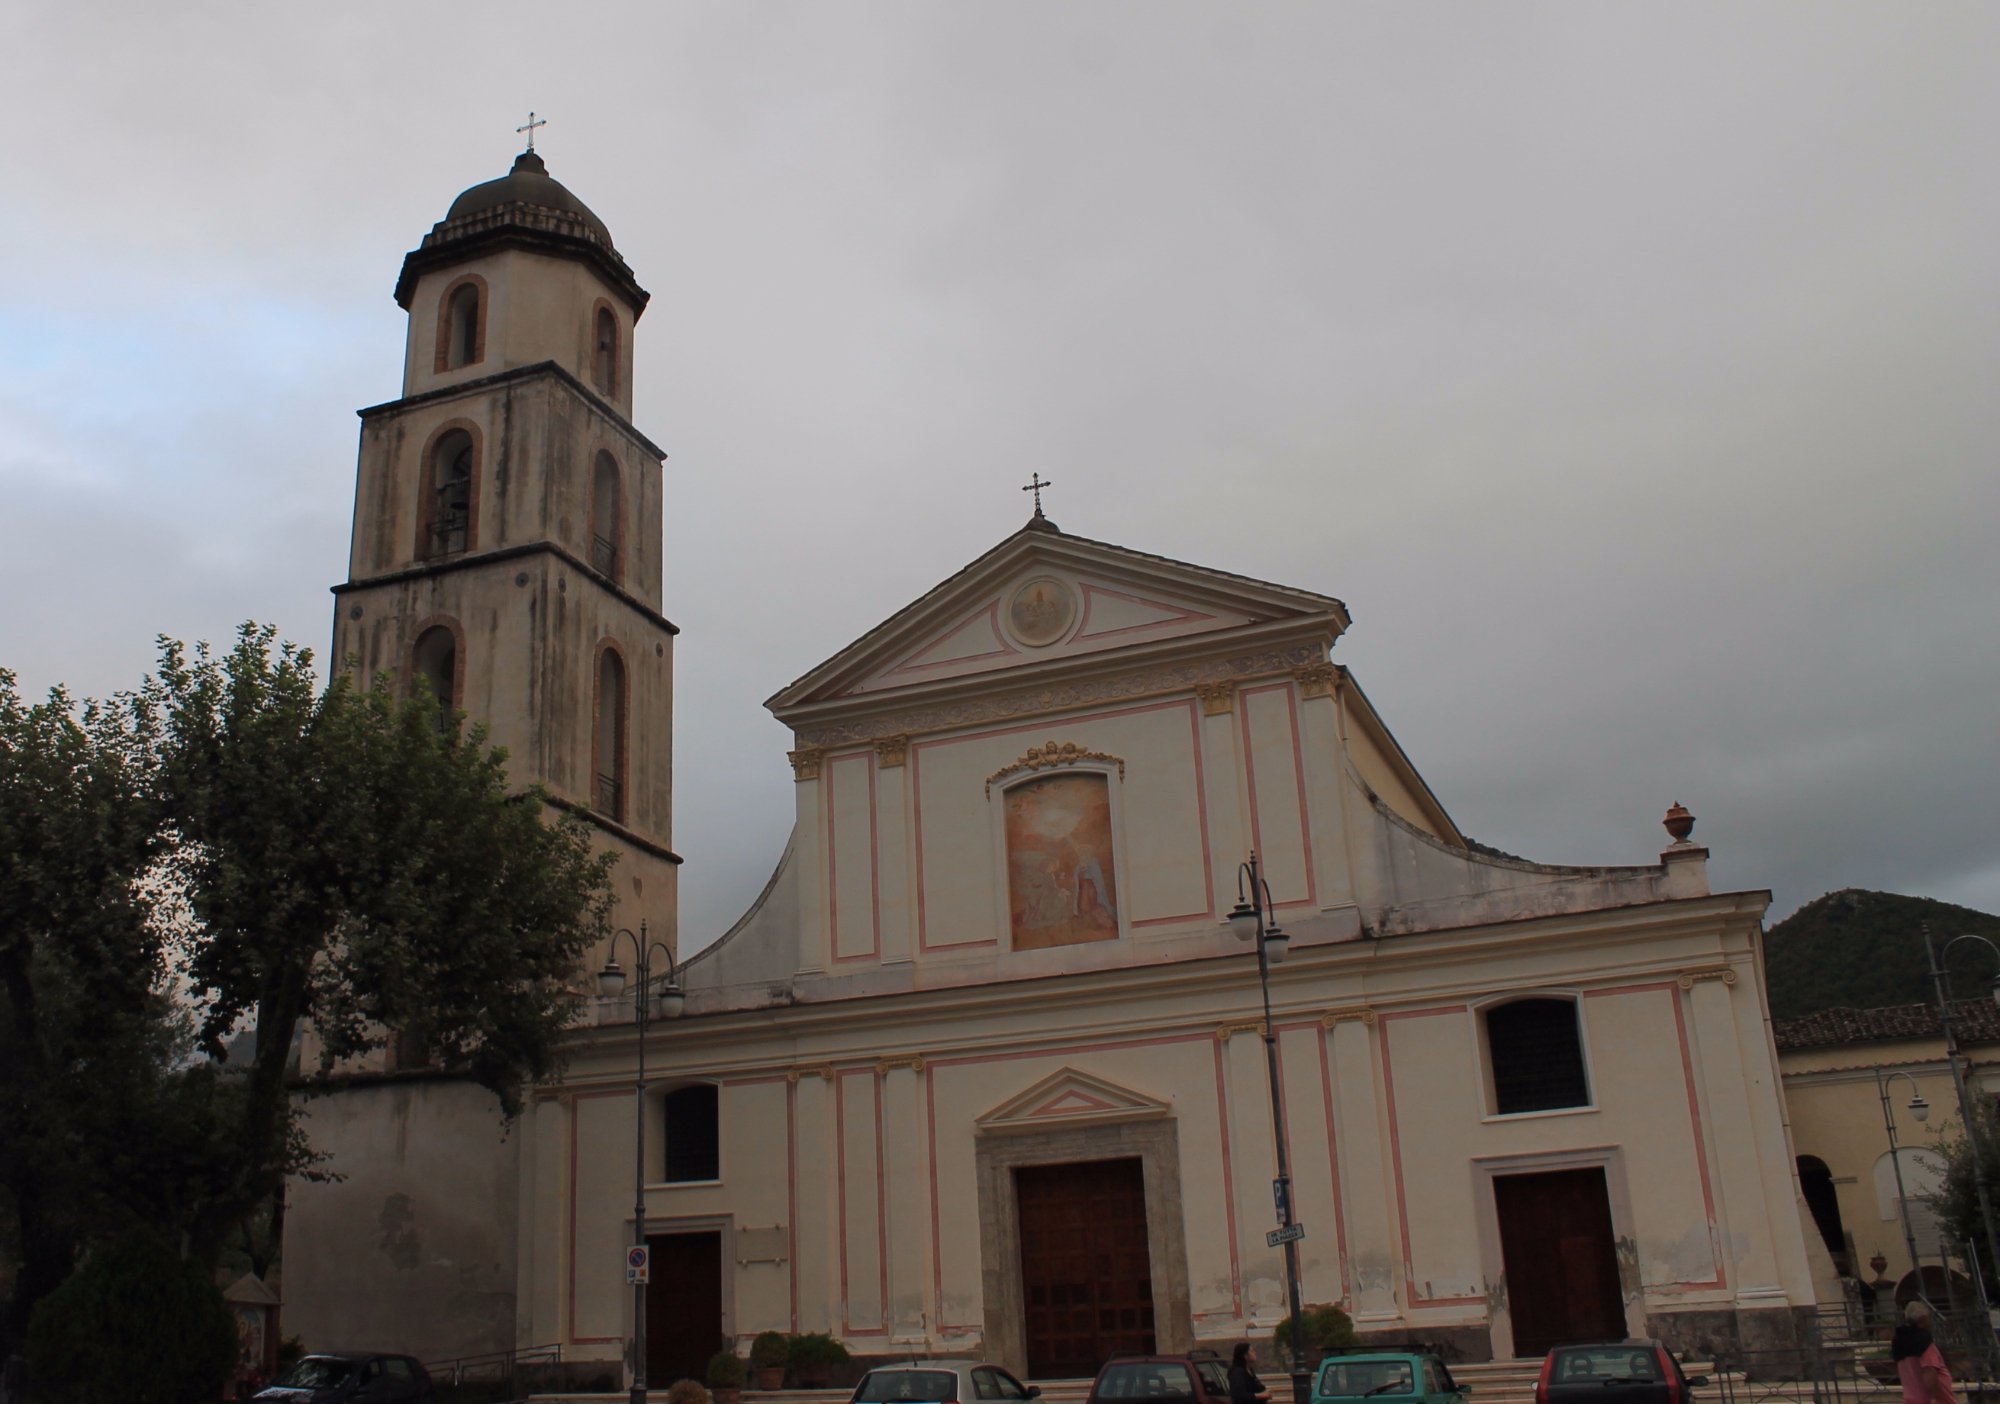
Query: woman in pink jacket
1919	1364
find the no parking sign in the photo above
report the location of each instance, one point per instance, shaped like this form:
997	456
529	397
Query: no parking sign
638	1264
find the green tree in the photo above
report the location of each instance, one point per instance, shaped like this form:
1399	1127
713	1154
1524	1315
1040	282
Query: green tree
86	1036
348	864
136	1324
1956	1200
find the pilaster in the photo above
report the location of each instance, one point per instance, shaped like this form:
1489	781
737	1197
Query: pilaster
1367	1180
1745	1213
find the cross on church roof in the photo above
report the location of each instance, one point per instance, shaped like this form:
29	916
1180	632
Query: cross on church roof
530	128
1035	485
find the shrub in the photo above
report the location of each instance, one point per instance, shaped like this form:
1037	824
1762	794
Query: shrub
725	1370
1323	1327
816	1349
770	1351
687	1392
136	1324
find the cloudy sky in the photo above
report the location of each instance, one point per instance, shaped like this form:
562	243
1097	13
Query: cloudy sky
1629	370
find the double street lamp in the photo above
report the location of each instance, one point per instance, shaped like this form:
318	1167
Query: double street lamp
1921	1110
1254	919
1941	980
671	998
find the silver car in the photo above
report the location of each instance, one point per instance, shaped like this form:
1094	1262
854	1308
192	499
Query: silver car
940	1382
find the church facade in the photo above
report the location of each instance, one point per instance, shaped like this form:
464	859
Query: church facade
983	1070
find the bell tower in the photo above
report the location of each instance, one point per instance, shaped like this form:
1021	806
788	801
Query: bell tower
507	517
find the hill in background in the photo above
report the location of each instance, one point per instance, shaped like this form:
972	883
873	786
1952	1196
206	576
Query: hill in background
1866	949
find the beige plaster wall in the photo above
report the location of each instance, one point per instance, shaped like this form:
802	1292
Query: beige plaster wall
414	1249
540	307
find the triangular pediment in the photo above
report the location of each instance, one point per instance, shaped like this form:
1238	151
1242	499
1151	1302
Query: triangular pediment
1067	1097
1043	598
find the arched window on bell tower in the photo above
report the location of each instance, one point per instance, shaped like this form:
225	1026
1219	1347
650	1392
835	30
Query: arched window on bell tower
448	488
435	660
462	335
608	736
604	351
607	527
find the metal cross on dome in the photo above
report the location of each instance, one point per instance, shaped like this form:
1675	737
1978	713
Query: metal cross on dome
1035	485
530	128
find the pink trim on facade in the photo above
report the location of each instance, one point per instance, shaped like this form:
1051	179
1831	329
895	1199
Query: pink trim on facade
1673	992
1298	783
1333	1162
992	616
1183	615
874	951
1228	1184
917	807
1396	1156
792	1190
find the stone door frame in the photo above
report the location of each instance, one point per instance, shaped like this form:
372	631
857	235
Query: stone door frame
1155	1143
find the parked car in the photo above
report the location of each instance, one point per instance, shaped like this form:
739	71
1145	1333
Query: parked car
1195	1378
1614	1372
363	1377
1404	1376
939	1382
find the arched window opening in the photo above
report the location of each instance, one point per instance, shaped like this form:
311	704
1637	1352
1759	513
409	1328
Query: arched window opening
693	1134
451	494
1816	1184
610	736
462	327
435	660
604	363
605	526
1537	1056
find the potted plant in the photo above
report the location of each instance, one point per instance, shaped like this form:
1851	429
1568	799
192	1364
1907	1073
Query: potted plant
725	1376
768	1354
814	1356
686	1392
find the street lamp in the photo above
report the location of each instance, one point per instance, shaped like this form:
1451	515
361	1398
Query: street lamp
1921	1110
611	984
1943	981
1254	919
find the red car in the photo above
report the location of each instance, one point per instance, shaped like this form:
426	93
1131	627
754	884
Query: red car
1614	1372
1194	1378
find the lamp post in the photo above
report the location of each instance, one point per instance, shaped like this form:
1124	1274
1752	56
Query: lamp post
611	983
1941	979
1920	1109
1253	918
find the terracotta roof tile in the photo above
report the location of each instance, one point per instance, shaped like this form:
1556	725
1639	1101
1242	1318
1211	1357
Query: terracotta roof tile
1978	1021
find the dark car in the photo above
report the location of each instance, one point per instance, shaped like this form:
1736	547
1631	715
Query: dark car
363	1377
1614	1372
1194	1378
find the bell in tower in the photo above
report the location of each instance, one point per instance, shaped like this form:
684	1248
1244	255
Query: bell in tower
507	517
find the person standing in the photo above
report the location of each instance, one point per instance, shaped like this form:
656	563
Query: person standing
1920	1364
1245	1387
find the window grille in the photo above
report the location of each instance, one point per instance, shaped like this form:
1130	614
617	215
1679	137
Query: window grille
604	555
1537	1056
610	797
693	1134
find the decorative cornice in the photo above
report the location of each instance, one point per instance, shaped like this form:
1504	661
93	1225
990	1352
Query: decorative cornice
1224	1032
1061	697
913	1061
1053	756
1352	1014
890	751
1690	978
820	1070
1217	698
805	762
1316	679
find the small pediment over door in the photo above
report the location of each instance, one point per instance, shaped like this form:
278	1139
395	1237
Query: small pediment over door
1068	1098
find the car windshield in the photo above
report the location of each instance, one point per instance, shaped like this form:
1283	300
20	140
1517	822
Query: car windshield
1602	1363
1366	1377
1161	1380
317	1372
894	1386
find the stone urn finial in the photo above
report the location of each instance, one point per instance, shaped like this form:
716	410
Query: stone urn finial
1679	823
1878	1264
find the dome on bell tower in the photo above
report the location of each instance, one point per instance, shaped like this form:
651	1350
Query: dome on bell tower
528	208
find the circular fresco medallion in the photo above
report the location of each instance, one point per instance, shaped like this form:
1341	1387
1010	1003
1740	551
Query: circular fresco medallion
1041	611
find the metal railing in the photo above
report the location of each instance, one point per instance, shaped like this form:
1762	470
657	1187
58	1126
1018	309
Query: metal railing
610	797
604	555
